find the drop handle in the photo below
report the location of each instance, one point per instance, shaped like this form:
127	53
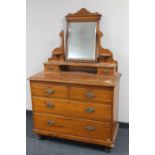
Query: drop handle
49	105
50	91
51	123
106	71
89	95
90	128
90	110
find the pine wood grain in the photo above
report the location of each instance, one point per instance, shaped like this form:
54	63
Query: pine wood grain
102	112
78	127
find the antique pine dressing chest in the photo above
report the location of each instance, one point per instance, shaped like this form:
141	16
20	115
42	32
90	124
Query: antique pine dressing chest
76	96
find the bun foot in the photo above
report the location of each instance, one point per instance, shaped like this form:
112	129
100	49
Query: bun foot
108	149
40	137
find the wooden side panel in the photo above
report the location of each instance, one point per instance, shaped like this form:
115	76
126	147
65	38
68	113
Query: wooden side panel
78	127
115	103
105	94
77	109
115	112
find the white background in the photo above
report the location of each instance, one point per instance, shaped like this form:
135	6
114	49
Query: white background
45	19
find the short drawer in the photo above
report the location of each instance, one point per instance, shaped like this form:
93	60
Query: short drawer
48	90
105	71
104	94
78	127
72	108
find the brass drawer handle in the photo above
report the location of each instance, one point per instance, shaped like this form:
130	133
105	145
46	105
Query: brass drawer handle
90	128
51	123
49	105
90	110
50	91
106	71
89	95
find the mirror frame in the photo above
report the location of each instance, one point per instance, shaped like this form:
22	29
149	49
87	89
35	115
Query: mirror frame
83	16
80	59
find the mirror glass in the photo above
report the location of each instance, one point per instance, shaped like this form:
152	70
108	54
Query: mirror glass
81	41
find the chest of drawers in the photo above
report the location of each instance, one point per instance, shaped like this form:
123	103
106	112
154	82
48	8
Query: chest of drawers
66	106
76	96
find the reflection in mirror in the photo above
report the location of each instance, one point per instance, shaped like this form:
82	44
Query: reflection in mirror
81	41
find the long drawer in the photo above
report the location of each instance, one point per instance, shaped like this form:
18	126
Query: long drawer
49	90
92	111
78	127
104	94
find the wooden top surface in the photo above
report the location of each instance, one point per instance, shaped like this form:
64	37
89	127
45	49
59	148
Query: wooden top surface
107	65
76	78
